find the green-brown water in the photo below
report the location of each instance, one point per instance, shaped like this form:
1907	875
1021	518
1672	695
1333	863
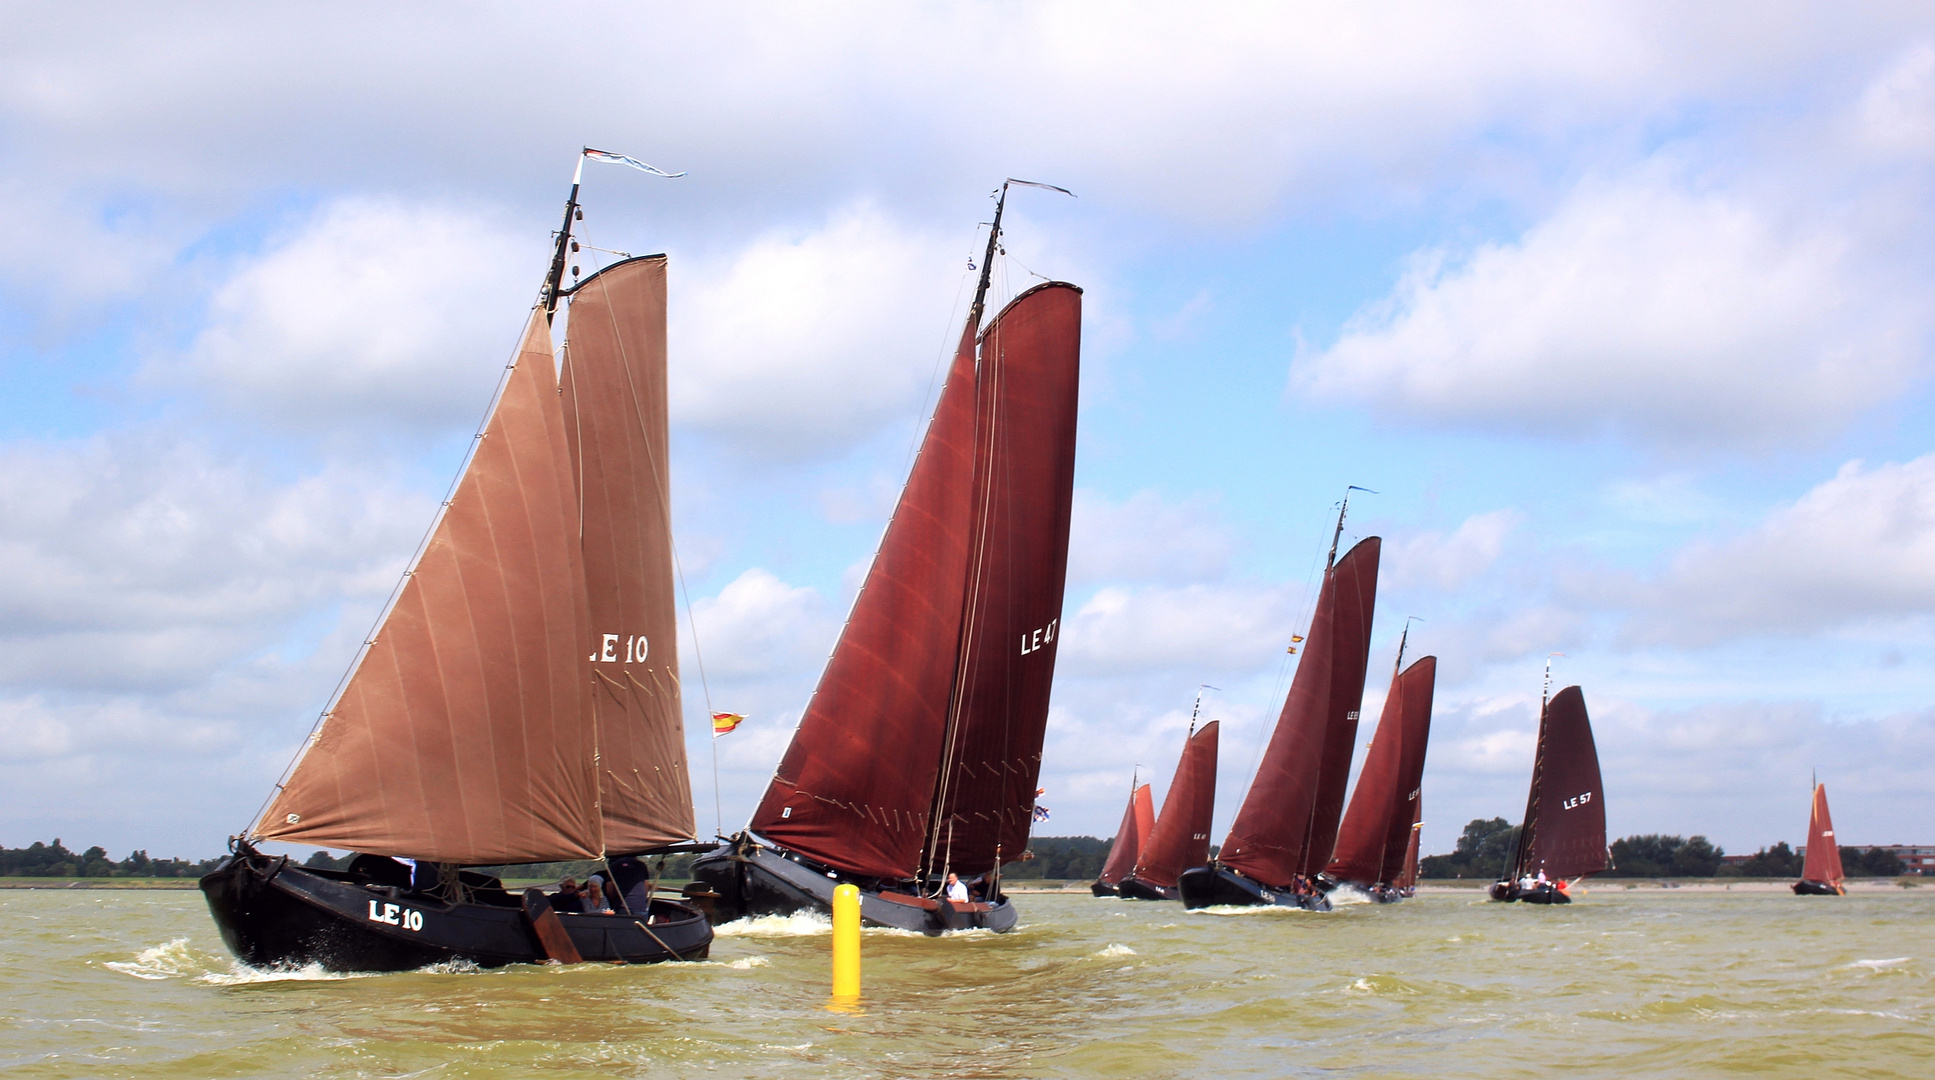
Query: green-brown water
1652	983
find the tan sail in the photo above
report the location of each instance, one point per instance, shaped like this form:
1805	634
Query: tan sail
614	412
464	735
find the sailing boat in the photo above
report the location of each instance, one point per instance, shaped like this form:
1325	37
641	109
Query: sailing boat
1821	873
916	758
519	701
1138	821
1377	827
1564	835
1406	883
1287	825
1181	835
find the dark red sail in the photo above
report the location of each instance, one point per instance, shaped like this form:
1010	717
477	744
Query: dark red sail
615	419
1565	833
1407	877
1017	567
1287	824
1823	851
857	784
1181	836
1375	833
1138	818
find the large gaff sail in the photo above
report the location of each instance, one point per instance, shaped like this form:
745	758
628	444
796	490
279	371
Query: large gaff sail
856	785
1565	817
463	735
1181	836
1823	851
1017	569
615	422
1288	822
1138	819
1371	841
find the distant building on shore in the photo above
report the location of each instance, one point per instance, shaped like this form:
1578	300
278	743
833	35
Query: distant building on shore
1915	858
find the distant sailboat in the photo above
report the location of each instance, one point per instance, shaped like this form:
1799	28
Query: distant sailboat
519	701
1406	882
1287	826
1377	827
1563	837
918	754
1138	821
1181	836
1821	873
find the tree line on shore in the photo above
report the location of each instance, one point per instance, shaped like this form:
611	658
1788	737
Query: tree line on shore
1486	845
55	860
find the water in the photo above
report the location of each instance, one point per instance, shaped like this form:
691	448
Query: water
135	984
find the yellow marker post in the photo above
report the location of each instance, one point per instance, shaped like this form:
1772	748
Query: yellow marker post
846	945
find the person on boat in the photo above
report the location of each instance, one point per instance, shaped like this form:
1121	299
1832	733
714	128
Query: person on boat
568	899
595	903
1542	881
957	891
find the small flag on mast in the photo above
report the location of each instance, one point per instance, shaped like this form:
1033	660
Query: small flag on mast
606	155
724	722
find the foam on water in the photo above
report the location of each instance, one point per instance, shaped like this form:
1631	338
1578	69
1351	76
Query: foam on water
797	924
1116	950
1881	965
166	961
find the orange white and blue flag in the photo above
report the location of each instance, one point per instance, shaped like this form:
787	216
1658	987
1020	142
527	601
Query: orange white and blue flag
723	722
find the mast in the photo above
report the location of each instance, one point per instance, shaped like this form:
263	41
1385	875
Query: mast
554	278
1197	709
1336	535
1525	827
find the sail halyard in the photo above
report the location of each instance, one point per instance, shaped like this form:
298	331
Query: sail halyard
462	733
614	397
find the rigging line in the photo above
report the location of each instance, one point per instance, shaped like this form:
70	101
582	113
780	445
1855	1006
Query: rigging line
396	592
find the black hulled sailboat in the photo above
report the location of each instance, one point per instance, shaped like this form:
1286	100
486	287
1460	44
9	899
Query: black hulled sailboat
918	754
1138	821
1563	838
1821	872
1180	838
1377	830
519	701
1286	829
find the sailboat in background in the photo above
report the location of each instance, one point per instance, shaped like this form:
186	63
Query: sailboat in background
1287	826
1821	872
917	757
1406	883
1138	821
1377	827
1181	836
519	701
1563	837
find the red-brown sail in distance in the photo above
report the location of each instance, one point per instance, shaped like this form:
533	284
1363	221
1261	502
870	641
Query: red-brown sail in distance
856	785
615	419
1181	836
1565	816
1138	819
1823	851
463	734
1371	842
1407	877
1017	569
1287	824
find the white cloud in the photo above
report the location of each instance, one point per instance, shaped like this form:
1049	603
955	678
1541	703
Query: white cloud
1857	548
806	342
1432	560
370	311
1146	538
1644	307
759	627
1237	627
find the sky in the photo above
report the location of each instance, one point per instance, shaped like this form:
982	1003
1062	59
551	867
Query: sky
1619	309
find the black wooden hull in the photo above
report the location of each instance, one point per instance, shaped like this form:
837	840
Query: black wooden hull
1507	892
1103	888
1214	886
751	878
273	913
1817	888
1134	888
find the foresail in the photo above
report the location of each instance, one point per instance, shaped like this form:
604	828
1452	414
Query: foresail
1018	561
1567	822
463	735
614	398
1180	839
856	785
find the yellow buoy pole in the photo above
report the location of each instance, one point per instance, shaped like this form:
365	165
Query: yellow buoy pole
846	944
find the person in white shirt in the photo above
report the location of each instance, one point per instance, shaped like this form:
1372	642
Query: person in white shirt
956	890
